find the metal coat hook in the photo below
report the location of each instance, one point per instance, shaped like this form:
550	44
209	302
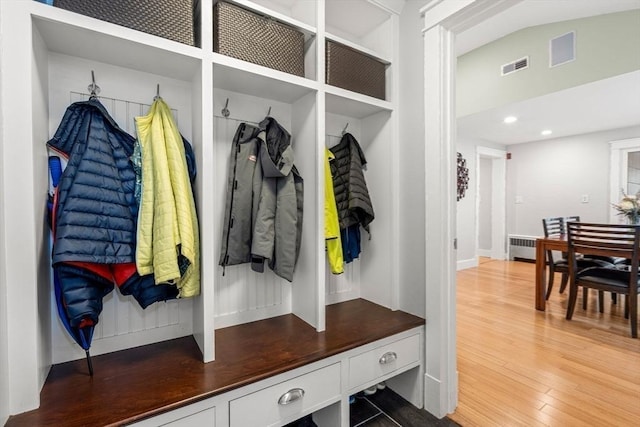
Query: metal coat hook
345	129
225	110
157	92
269	112
93	88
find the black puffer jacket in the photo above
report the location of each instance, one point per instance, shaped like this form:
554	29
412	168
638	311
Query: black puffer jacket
352	197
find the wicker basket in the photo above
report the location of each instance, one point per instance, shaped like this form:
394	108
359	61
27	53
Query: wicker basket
245	35
171	19
353	70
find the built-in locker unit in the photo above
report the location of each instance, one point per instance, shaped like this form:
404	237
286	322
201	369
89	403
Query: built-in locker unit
54	52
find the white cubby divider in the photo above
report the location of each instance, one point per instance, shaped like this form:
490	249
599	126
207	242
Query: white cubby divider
53	52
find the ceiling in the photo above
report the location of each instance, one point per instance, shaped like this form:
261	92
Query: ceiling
606	104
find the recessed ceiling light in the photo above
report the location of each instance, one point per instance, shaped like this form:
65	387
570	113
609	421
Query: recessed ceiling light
510	119
546	132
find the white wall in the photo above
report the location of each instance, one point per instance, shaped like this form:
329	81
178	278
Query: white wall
599	43
411	149
552	176
466	209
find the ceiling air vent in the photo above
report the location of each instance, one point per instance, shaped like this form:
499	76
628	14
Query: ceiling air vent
512	67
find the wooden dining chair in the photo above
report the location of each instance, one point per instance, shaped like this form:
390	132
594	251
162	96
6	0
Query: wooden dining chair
610	259
584	262
552	227
566	219
555	227
621	241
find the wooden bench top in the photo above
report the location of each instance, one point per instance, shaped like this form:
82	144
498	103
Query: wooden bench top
140	382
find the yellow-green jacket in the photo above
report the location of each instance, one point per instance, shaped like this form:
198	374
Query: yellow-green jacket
331	222
168	238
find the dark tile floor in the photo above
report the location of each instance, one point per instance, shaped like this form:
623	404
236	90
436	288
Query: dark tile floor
386	408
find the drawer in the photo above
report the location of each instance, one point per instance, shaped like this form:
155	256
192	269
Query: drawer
202	418
198	414
383	360
288	400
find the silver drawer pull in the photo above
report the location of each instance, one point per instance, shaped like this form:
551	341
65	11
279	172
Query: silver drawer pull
388	357
291	396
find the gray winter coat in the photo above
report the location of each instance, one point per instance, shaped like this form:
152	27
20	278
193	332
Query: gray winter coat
350	189
243	194
263	218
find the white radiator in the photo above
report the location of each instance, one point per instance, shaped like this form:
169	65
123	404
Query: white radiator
522	248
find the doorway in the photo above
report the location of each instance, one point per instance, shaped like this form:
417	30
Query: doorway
491	203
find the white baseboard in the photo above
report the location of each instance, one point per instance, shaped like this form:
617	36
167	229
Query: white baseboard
453	394
488	253
437	405
485	253
466	263
432	402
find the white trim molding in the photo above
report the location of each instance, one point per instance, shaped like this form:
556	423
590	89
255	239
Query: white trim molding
469	263
618	170
442	20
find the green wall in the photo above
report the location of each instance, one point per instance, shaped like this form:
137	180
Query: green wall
606	46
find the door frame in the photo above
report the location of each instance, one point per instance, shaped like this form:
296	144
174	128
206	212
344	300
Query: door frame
443	19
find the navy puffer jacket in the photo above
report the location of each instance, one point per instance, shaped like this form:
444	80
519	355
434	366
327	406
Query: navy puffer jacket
96	211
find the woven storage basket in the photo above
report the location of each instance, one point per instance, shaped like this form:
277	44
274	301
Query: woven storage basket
353	70
245	35
171	19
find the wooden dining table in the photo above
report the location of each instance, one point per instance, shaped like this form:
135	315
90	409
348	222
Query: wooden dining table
544	244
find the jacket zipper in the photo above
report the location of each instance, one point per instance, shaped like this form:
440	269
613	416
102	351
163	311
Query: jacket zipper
233	190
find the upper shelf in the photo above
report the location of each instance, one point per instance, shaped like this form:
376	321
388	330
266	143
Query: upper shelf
352	104
81	36
371	30
255	80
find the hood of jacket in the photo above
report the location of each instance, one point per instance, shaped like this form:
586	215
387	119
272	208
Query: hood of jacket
276	153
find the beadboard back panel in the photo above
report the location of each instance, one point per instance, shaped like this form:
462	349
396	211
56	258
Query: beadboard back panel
345	286
241	294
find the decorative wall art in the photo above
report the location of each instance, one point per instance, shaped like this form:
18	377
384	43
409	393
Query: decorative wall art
463	176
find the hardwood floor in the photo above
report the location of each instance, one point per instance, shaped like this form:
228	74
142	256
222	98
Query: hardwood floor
519	366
